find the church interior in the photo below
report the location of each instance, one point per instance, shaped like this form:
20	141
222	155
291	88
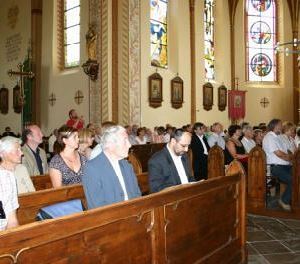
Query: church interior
152	63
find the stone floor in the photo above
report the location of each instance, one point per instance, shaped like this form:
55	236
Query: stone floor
273	241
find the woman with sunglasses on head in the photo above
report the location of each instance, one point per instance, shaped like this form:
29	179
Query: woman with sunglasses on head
66	168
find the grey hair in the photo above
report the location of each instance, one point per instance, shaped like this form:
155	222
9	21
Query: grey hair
7	144
246	128
110	135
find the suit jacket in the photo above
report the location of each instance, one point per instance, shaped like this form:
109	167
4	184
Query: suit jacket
30	163
101	184
199	158
162	172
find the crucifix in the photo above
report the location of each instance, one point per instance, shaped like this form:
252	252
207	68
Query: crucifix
264	102
52	99
78	97
22	74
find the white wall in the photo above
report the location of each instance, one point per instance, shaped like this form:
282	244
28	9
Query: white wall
22	27
63	84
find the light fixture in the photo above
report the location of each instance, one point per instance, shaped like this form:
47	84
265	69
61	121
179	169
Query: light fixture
281	47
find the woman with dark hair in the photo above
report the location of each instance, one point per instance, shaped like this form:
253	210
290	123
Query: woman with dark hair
234	148
67	167
141	136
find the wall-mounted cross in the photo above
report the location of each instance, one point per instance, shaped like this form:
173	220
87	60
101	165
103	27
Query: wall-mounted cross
264	102
78	97
52	99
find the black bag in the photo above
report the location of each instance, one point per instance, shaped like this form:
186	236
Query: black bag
60	209
2	213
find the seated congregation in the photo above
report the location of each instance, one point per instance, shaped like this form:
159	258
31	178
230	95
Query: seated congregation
116	168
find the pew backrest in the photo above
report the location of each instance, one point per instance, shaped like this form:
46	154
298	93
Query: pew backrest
256	180
215	166
137	167
167	227
31	203
41	182
296	181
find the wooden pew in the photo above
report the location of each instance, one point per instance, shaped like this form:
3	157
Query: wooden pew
256	196
215	166
194	223
136	164
31	203
144	152
41	182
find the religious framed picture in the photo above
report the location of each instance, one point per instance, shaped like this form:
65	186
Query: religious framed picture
222	98
155	90
4	100
208	96
17	99
176	92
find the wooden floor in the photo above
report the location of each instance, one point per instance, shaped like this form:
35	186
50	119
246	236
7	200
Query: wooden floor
273	240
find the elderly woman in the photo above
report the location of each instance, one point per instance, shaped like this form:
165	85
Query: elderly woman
10	155
234	148
287	137
86	139
66	168
141	136
247	140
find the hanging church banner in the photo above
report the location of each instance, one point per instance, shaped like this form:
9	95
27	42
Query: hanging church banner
236	104
155	90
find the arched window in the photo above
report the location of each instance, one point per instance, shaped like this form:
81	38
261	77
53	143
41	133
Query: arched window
261	40
209	43
159	33
69	38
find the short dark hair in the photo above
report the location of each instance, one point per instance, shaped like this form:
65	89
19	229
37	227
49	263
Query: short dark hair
273	123
70	112
198	125
232	129
26	131
177	134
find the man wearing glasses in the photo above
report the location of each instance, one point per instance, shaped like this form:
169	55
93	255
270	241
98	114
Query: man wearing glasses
170	166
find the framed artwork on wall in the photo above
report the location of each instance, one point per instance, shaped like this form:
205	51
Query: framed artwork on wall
208	96
4	100
177	92
17	99
155	90
222	98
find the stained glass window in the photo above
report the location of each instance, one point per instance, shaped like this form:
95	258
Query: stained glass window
159	32
72	32
261	40
209	54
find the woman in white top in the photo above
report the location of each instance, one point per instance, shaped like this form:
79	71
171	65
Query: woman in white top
287	137
141	136
10	157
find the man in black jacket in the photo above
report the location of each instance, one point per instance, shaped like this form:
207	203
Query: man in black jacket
200	148
170	166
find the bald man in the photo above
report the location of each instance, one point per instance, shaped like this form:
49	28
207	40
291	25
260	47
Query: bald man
34	159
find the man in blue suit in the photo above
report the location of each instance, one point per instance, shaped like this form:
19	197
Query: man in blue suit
109	178
170	166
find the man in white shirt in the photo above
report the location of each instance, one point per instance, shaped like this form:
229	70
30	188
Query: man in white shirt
247	139
279	160
170	166
109	178
217	136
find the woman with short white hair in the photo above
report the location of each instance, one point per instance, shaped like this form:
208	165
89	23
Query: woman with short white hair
10	157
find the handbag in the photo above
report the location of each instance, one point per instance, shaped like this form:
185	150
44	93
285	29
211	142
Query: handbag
60	209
